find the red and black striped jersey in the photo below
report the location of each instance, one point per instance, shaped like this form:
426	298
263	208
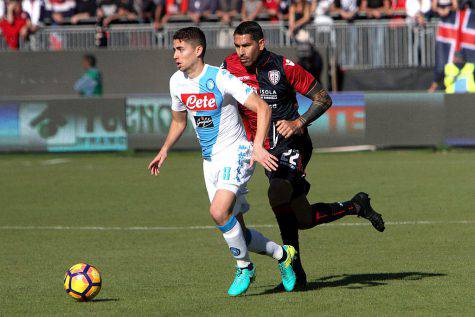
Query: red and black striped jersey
276	79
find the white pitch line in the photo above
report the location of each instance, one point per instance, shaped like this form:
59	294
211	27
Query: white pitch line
349	224
55	161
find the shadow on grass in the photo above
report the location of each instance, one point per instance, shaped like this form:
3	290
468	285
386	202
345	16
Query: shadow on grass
102	300
358	281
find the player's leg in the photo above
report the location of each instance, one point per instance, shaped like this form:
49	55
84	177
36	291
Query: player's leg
285	255
279	194
221	212
284	185
310	215
222	201
257	243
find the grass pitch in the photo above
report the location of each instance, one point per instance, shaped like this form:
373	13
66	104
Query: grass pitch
423	264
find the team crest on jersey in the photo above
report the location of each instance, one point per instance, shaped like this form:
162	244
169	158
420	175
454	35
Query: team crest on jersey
274	76
210	84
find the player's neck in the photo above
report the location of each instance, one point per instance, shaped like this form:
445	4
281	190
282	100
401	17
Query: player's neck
195	70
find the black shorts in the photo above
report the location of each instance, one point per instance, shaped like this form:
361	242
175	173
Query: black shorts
293	154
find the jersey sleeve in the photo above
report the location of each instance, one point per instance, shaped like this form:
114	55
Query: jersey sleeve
299	78
230	84
177	104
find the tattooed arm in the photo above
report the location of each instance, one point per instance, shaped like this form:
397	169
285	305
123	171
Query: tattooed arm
321	102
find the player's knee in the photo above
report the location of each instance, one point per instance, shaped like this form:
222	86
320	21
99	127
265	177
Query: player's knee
218	214
280	192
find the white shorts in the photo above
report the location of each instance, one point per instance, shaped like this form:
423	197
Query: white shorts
230	170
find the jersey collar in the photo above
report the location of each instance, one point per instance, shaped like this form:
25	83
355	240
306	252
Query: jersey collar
263	58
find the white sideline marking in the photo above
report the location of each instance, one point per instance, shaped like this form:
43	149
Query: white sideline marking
55	161
390	223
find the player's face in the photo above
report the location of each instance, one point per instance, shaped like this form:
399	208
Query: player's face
247	49
185	54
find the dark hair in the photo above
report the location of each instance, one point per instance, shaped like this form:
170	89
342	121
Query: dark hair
192	35
91	59
252	28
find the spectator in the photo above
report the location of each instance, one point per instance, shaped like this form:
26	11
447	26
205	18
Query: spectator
2	8
124	10
376	9
35	10
398	8
284	6
442	8
321	11
251	9
90	84
346	9
106	8
60	10
158	7
459	76
418	11
308	56
14	24
271	8
228	9
198	9
174	8
85	9
148	8
299	16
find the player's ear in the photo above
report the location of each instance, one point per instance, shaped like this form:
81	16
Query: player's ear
199	50
261	44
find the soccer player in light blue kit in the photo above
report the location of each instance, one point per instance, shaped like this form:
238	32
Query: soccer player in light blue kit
209	95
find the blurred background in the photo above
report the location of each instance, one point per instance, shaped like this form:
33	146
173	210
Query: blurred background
93	74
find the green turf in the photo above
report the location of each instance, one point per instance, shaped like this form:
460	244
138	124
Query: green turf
425	269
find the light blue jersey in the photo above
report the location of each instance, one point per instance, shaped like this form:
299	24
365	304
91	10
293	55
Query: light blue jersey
211	101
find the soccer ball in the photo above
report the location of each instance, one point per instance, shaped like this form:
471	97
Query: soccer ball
82	281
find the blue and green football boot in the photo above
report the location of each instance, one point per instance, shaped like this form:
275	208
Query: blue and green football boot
286	271
244	277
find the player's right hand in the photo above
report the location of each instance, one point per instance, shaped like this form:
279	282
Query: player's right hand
267	160
157	162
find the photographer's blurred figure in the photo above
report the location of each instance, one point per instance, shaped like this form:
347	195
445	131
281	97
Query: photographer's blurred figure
90	84
458	76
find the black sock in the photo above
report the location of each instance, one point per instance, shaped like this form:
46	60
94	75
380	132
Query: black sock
324	212
288	225
289	232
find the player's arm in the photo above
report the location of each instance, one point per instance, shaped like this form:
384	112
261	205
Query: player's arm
244	95
177	127
264	113
304	83
321	102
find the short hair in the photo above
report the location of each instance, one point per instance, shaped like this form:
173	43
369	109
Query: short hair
91	59
252	28
192	35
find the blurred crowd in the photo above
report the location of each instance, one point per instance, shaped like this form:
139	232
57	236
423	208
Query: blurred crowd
20	18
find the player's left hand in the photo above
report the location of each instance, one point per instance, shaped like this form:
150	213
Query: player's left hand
267	160
289	128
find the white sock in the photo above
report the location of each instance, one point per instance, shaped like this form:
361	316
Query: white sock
234	236
257	243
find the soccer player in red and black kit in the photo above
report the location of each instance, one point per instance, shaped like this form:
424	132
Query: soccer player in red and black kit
277	80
